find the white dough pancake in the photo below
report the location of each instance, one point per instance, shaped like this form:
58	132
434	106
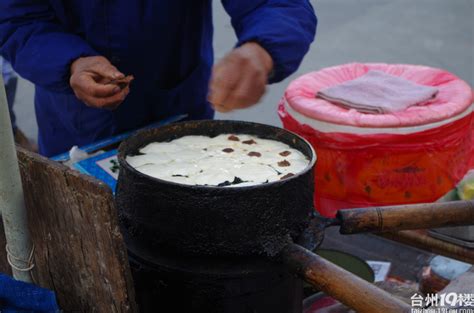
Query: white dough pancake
156	170
140	160
160	147
201	160
258	173
213	177
179	180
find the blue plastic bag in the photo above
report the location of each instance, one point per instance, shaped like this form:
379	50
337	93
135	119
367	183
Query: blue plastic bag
17	296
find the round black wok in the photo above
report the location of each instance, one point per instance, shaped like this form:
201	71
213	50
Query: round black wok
205	220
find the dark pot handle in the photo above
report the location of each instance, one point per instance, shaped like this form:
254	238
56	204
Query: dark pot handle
404	217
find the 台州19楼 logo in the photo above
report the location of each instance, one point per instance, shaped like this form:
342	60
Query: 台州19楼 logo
443	303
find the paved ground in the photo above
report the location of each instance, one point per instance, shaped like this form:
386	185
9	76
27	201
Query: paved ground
438	33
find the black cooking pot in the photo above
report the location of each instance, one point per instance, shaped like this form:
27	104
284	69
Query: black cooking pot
204	220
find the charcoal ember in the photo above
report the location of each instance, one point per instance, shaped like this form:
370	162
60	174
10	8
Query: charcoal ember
237	181
254	154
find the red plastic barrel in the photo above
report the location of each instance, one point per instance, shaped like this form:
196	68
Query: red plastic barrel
413	156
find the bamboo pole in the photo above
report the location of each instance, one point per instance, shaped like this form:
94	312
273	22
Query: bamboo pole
12	203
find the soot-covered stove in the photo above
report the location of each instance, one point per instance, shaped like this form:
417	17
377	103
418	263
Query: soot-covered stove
214	285
238	250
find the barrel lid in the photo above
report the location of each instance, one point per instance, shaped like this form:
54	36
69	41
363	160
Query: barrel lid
454	97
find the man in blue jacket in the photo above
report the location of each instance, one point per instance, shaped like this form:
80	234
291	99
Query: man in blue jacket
75	51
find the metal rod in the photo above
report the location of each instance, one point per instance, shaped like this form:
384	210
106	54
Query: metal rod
12	203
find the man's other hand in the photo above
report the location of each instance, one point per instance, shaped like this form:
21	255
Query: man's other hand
98	83
239	80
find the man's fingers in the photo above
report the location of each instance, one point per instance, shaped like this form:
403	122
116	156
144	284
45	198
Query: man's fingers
104	91
247	93
87	85
236	84
98	83
113	102
107	71
116	100
221	108
219	90
123	82
224	79
110	103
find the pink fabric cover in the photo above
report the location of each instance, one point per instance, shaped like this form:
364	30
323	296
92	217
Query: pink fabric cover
453	98
378	93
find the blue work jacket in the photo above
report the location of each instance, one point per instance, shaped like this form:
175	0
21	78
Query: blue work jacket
166	45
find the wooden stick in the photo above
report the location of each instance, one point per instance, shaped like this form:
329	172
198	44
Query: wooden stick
351	290
420	239
403	217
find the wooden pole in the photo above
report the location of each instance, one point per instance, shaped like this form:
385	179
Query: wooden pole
404	217
351	290
420	239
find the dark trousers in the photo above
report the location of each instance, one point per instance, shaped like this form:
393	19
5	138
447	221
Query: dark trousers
11	91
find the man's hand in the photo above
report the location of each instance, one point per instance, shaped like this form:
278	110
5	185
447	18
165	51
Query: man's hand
98	83
239	80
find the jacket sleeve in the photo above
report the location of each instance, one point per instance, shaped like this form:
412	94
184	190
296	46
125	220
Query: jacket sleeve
285	28
39	48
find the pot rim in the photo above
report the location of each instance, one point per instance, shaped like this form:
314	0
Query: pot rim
309	167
